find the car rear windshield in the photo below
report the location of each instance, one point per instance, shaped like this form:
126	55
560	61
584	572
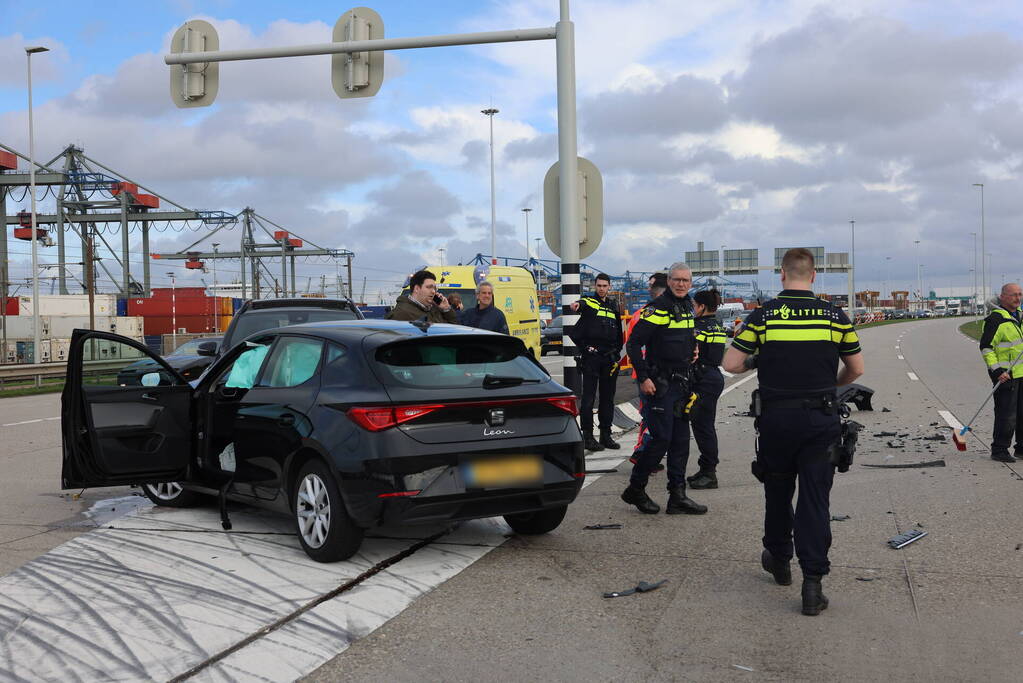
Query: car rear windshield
252	322
448	363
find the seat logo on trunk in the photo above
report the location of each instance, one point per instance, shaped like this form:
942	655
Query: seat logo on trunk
495	418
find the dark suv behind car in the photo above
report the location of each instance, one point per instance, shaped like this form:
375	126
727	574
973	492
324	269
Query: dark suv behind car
257	315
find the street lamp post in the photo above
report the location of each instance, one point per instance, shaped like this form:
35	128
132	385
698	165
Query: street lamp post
216	309
36	331
443	253
174	310
525	212
974	271
919	278
852	271
983	249
493	194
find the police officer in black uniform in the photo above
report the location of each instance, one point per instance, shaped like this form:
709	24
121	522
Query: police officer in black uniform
796	341
711	337
598	336
665	374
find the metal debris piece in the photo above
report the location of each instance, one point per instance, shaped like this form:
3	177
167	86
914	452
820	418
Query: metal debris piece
904	539
886	434
641	587
885	410
743	668
895	444
599	527
610	471
865	578
936	437
908	465
840	518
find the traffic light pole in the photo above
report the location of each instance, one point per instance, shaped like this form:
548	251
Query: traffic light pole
564	35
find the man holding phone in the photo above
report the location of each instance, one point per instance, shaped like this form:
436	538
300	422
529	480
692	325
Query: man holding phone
423	302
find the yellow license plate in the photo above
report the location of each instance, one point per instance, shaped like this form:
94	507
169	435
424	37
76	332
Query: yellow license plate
525	470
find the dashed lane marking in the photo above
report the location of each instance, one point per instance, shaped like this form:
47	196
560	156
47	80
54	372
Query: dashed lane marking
912	376
951	420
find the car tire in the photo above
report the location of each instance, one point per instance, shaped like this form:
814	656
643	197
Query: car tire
325	530
539	522
171	494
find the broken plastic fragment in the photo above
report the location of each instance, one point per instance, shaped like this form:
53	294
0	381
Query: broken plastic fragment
840	518
599	527
641	587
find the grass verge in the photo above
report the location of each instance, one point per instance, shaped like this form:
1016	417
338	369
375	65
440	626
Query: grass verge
972	329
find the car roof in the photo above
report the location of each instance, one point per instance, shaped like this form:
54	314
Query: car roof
383	331
305	302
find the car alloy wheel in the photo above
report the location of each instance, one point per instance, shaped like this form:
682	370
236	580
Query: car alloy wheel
168	490
313	510
325	530
172	494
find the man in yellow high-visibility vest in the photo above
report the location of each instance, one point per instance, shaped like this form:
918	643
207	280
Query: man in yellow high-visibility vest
1001	344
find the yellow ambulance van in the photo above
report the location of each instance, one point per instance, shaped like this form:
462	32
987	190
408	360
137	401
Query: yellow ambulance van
514	293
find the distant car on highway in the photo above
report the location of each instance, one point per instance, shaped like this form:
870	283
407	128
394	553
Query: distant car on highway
344	426
551	336
189	359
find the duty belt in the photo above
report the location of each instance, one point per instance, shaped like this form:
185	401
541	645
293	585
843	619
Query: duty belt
825	403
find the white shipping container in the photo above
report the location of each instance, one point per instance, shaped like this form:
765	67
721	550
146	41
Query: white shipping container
63	326
128	326
69	304
10	352
59	349
19	327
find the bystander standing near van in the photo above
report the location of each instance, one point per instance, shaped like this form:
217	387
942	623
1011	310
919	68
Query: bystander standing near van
484	315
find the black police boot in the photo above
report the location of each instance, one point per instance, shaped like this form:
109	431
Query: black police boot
1002	456
607	442
779	569
591	444
703	480
680	504
814	601
639	498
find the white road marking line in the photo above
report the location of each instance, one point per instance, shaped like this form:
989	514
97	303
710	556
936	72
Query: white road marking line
630	411
27	422
902	358
739	383
951	420
912	376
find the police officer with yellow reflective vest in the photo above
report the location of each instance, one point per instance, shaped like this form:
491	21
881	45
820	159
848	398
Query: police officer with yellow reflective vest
665	332
1001	344
796	341
598	336
711	337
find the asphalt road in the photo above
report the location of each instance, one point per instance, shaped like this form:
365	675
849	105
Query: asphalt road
162	592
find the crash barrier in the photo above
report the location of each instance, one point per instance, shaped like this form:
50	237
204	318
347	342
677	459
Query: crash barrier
19	374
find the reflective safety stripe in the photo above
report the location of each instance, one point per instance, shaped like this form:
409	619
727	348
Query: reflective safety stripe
818	334
1009	344
684	324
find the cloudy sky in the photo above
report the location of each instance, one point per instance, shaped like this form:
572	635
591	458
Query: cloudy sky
739	123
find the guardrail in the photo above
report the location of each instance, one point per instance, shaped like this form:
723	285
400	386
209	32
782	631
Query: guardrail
38	371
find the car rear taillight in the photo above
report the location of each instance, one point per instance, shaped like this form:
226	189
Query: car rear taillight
379	418
566	403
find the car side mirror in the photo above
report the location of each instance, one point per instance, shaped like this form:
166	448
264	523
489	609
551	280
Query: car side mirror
208	349
150	379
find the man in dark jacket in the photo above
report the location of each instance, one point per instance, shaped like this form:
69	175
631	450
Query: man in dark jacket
485	315
423	301
598	335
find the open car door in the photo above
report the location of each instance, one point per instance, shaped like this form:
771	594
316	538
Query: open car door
125	415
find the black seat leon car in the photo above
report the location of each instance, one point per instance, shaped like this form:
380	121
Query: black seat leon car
342	425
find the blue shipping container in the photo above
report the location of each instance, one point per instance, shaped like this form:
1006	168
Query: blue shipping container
154	342
122	307
236	303
375	312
